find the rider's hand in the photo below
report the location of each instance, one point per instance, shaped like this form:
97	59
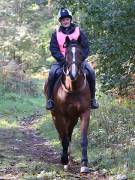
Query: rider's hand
63	60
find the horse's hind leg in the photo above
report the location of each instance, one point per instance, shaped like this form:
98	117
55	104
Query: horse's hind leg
70	158
84	142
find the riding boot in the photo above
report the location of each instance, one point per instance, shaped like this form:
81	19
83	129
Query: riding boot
93	103
50	102
90	73
54	74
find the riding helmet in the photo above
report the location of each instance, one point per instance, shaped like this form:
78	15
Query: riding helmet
64	13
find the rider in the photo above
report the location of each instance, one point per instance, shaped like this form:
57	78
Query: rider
68	28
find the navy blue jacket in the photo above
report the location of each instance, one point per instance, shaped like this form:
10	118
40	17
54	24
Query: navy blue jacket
54	47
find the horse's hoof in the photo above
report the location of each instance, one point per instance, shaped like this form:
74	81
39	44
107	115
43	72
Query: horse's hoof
84	169
64	159
65	167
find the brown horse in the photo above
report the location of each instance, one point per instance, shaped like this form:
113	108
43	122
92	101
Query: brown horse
72	96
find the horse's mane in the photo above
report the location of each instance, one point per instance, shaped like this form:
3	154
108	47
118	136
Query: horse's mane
73	42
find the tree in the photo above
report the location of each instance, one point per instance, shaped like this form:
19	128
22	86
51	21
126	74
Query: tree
21	31
110	25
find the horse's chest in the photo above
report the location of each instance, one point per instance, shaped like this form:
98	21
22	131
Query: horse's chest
63	97
70	102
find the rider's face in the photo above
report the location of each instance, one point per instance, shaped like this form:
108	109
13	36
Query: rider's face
65	22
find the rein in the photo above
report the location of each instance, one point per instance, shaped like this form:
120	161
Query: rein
81	89
65	73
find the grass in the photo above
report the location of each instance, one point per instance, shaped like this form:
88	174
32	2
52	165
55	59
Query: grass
46	129
111	136
7	123
111	132
14	106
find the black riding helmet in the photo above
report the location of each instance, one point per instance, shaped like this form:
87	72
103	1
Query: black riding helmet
64	13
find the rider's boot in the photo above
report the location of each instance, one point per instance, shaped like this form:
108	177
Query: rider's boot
50	102
54	74
92	85
93	103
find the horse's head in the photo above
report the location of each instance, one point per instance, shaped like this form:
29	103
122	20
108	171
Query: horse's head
73	57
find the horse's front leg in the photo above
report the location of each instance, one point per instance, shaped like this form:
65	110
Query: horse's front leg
62	129
84	141
65	144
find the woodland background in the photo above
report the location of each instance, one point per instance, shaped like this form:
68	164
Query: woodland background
25	30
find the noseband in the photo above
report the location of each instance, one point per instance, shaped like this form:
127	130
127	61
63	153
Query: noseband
81	89
65	66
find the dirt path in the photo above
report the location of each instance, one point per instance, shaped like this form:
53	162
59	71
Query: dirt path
20	147
26	155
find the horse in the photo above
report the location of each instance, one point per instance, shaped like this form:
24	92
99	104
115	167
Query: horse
71	96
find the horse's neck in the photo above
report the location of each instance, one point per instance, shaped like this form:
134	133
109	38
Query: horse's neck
74	85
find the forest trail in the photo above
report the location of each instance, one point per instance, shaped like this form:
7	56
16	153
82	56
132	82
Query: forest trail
22	144
26	155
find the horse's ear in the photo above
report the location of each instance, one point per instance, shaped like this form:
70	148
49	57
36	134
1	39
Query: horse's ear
79	40
66	43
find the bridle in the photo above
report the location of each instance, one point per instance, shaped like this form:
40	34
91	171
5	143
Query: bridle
67	74
66	67
81	89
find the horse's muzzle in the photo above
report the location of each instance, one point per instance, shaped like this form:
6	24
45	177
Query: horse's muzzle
73	77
